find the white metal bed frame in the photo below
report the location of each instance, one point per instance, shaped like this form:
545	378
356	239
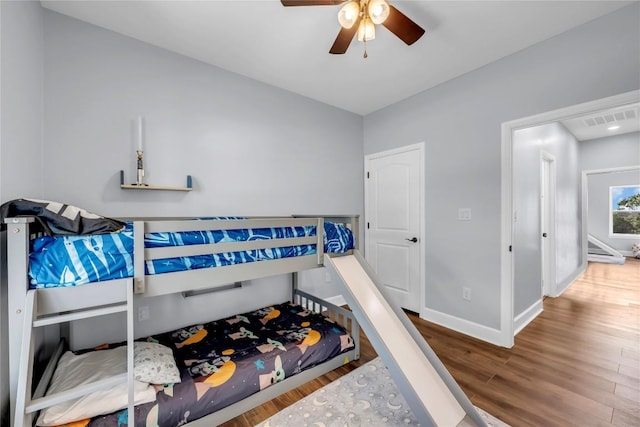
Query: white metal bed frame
30	309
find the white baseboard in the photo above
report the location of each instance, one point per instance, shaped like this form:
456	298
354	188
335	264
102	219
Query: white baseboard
337	300
524	318
607	259
484	333
564	285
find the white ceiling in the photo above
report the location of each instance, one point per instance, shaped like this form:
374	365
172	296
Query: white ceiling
288	47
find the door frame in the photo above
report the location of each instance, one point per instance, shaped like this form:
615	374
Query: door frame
420	147
548	217
584	197
507	228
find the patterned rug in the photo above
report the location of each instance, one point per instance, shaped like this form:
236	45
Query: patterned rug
365	397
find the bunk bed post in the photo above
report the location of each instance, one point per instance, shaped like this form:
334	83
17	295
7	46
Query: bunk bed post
25	373
138	257
355	229
137	286
320	244
294	285
130	355
18	282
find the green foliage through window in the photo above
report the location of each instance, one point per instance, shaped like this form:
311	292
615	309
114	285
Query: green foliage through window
625	210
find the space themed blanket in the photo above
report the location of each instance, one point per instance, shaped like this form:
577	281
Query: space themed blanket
227	360
62	261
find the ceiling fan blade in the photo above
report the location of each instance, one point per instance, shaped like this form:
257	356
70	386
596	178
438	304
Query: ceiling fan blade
342	42
403	27
311	2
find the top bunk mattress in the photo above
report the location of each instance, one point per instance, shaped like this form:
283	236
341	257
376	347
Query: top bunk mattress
71	260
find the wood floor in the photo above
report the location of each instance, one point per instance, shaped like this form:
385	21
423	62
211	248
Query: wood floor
576	364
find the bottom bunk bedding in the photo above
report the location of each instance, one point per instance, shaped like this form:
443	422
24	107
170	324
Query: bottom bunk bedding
222	362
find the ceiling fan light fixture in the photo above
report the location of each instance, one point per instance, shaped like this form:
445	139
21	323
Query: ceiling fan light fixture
348	14
366	30
378	11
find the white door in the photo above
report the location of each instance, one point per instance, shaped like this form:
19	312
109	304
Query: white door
394	202
548	223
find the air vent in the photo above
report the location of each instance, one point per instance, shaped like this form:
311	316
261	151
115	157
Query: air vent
618	116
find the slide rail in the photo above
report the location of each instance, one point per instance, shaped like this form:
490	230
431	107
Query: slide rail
367	298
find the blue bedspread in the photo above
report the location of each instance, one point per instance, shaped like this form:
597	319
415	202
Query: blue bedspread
76	260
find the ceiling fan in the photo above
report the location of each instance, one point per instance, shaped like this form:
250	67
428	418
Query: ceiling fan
361	16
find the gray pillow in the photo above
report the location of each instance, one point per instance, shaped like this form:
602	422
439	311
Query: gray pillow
154	363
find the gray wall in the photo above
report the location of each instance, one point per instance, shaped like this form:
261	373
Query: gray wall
611	152
606	153
556	140
460	121
21	173
252	149
21	48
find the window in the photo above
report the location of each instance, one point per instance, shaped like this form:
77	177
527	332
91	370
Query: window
624	220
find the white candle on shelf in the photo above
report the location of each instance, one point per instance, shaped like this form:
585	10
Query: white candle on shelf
139	133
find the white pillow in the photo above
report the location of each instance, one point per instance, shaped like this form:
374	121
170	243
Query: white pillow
74	370
154	363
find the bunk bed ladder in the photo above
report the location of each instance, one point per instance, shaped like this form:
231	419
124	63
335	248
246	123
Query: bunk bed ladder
28	403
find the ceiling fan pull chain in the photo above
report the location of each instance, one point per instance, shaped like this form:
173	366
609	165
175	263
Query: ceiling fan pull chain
365	56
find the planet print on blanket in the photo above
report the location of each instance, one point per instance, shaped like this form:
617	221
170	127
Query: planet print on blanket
193	335
220	372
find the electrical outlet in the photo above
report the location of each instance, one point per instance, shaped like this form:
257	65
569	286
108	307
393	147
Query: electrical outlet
466	294
464	214
143	313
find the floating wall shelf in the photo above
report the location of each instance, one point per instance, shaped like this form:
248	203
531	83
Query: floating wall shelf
124	186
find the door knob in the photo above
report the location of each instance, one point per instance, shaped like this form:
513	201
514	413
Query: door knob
413	239
544	234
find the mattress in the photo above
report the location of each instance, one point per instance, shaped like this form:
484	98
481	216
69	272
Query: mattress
62	261
224	361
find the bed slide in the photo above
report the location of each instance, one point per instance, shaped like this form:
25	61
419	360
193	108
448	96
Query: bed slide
599	251
433	395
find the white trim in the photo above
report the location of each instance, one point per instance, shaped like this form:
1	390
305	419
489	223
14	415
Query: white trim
472	329
549	276
507	224
564	285
423	224
527	316
421	148
585	208
613	235
624	236
506	239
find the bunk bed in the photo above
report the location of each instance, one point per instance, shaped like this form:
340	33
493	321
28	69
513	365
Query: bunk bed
202	265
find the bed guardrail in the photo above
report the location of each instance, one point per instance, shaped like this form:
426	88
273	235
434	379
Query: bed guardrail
339	315
194	280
